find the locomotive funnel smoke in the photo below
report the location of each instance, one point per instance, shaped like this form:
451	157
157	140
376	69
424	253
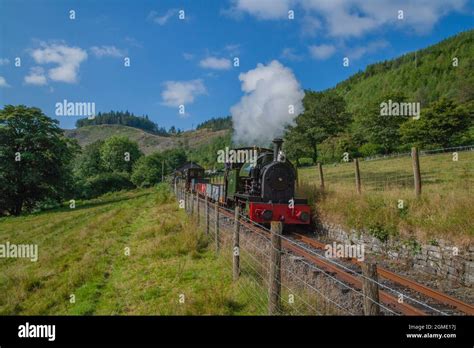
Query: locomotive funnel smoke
273	98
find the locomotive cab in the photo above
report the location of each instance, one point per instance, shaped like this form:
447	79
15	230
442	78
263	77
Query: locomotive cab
266	188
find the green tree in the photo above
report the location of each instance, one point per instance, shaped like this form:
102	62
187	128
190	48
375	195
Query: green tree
89	162
382	131
206	154
295	146
442	124
35	159
148	170
333	148
324	116
119	153
217	123
105	182
173	159
123	118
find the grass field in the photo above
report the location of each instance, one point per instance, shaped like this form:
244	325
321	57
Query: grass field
82	252
444	210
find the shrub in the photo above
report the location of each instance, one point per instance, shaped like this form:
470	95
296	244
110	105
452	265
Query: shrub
369	150
147	171
118	154
106	182
378	231
333	149
306	162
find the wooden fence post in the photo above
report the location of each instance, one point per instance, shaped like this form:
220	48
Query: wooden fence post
321	176
206	202
186	204
197	209
370	289
216	226
357	174
274	302
197	204
235	245
416	170
192	203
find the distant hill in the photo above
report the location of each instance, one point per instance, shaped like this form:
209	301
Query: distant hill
147	142
423	76
217	123
125	119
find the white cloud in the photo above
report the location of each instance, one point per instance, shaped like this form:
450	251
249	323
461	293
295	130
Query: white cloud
232	49
358	52
188	56
264	110
321	51
106	51
353	18
3	82
182	92
262	9
343	17
67	58
310	25
289	54
4	61
36	77
215	63
133	42
161	20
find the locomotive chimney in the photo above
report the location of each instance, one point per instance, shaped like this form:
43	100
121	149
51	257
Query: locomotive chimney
276	147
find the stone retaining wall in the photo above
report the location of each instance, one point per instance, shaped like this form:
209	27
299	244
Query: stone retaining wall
443	260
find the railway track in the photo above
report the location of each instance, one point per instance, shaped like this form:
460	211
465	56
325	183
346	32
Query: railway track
400	280
342	275
307	247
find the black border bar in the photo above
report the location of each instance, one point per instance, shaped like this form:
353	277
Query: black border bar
206	330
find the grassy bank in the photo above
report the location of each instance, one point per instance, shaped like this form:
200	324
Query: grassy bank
84	252
444	210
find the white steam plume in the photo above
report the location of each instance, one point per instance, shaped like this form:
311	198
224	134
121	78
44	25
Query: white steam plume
271	92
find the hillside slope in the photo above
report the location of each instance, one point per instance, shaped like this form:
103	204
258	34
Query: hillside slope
422	76
81	252
147	142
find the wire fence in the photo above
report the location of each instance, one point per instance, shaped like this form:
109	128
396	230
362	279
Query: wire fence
304	286
439	168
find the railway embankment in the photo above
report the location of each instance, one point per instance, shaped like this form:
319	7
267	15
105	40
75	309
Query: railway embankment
440	258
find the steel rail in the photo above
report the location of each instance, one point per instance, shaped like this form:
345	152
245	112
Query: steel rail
411	284
348	278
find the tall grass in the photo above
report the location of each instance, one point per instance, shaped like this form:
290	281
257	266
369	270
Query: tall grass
444	210
82	252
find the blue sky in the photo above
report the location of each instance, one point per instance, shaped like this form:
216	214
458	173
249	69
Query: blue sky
190	61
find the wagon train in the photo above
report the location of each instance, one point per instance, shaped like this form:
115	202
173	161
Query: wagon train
263	188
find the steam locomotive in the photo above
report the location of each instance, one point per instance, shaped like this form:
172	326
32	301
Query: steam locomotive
263	187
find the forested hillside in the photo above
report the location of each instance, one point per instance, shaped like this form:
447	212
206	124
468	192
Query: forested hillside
438	81
425	75
217	123
126	119
147	142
